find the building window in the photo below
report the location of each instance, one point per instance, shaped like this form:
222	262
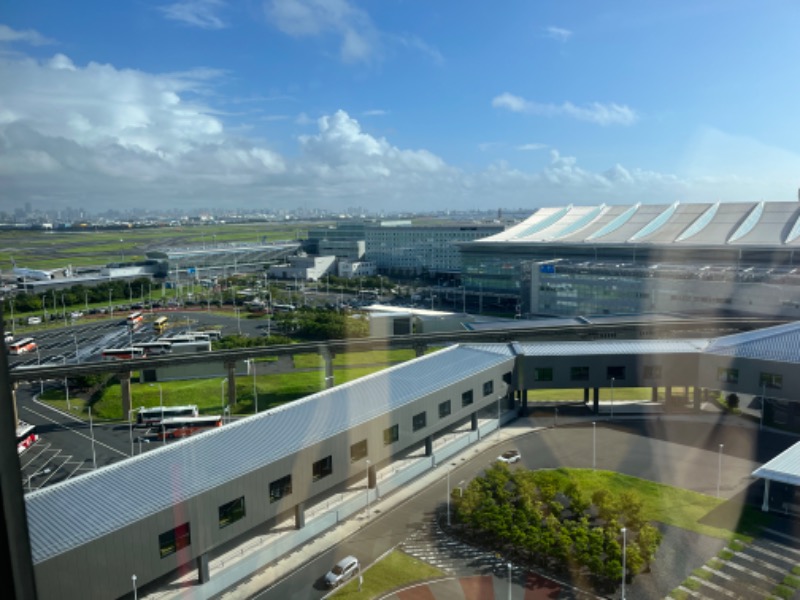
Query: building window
322	468
543	374
358	451
419	421
653	372
391	435
616	373
280	488
579	373
488	388
728	375
507	377
174	539
466	398
230	512
772	381
444	409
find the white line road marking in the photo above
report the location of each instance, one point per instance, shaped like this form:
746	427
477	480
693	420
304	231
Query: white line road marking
83	435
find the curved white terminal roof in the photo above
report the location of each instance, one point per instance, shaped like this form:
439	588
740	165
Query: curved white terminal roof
705	224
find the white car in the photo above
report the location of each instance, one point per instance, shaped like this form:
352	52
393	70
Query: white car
342	571
509	457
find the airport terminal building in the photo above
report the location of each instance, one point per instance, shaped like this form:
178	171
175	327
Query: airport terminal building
720	258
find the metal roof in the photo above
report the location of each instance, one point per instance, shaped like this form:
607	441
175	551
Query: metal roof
68	514
780	343
707	224
784	468
612	347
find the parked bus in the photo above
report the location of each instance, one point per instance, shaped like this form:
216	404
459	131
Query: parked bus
160	324
22	346
135	319
153	415
181	427
283	307
154	348
123	353
26	436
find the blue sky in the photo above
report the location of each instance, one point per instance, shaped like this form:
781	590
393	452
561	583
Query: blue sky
395	104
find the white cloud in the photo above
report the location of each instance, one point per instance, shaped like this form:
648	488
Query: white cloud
558	33
96	136
198	13
28	36
309	18
594	112
532	147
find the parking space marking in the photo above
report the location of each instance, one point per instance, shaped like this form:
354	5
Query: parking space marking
83	435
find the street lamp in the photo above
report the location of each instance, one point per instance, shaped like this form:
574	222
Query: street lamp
763	403
133	579
509	580
448	497
624	557
66	388
130	427
594	445
255	391
719	469
39	364
222	397
612	398
75	339
91	433
32	475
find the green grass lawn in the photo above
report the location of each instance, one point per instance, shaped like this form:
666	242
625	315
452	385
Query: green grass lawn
632	393
314	361
673	506
396	570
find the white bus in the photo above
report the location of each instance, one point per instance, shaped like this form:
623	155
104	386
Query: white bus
22	346
154	414
154	348
123	353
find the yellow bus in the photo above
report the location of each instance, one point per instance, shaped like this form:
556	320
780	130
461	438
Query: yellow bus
160	324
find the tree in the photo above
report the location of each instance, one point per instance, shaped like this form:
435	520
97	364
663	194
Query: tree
733	401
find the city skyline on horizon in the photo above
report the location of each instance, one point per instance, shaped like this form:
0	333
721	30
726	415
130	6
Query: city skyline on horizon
329	104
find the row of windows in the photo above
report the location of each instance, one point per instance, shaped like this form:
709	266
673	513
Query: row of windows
772	381
582	373
180	537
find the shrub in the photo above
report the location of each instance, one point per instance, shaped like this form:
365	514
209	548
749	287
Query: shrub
715	564
736	546
733	401
796	570
783	591
725	554
692	584
791	581
679	594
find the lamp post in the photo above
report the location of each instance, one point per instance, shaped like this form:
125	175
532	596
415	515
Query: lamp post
448	497
135	593
39	364
719	468
66	388
612	398
75	339
255	391
624	557
367	485
32	475
509	580
130	427
91	433
594	445
763	403
222	398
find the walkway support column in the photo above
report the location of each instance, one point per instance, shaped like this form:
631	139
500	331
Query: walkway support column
654	394
125	389
372	477
299	515
765	503
231	367
523	411
429	446
698	401
586	395
473	421
419	350
596	400
203	575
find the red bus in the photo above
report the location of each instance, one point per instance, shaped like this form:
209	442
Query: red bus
174	428
135	319
26	436
22	346
123	353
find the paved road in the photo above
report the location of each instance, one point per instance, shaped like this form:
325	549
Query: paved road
681	453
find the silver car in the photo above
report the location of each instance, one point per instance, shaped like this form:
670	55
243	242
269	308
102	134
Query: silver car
342	571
